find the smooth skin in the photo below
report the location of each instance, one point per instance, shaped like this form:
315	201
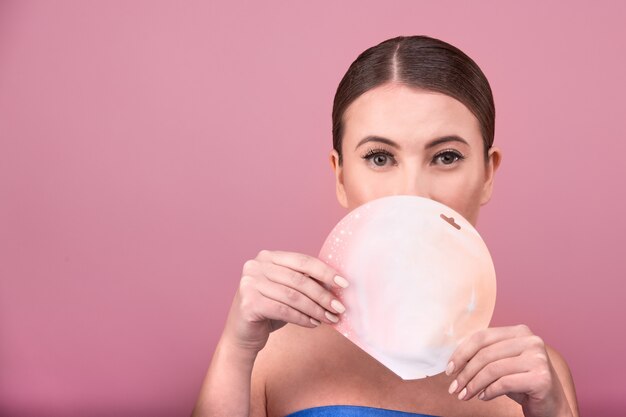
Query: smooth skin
397	140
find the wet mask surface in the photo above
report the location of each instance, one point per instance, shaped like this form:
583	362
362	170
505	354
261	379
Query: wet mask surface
421	279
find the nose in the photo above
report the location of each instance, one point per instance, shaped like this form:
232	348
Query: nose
415	183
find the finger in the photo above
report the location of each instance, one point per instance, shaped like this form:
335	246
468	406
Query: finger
295	299
480	339
500	350
305	284
509	384
309	265
491	373
275	310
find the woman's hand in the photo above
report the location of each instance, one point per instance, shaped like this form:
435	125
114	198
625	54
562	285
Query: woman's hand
512	361
277	288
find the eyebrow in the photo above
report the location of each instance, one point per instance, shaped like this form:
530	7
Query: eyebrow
431	144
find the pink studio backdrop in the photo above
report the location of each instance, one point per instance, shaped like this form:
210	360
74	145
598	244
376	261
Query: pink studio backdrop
149	148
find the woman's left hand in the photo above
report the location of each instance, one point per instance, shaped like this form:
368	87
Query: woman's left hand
512	361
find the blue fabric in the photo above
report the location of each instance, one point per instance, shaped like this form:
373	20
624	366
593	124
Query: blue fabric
352	411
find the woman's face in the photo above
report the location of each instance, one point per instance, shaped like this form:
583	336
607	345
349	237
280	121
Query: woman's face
401	140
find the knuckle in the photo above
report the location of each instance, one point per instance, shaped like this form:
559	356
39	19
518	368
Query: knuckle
282	311
496	387
523	330
536	341
503	385
303	261
325	297
319	313
481	356
329	274
291	294
492	370
246	282
297	278
473	387
245	305
250	265
263	253
248	304
480	337
461	378
543	379
541	357
543	374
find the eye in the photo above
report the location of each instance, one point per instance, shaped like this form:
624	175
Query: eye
379	157
448	157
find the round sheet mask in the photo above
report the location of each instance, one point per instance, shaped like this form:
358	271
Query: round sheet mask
421	279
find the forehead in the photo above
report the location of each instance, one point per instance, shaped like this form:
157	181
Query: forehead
409	116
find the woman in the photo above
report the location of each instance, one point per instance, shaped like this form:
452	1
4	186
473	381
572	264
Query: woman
413	115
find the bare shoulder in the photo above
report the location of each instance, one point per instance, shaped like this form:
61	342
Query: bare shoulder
287	348
280	364
565	376
268	360
297	355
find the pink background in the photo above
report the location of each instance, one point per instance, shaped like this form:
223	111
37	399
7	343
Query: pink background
147	149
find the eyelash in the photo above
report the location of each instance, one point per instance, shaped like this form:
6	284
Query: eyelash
380	151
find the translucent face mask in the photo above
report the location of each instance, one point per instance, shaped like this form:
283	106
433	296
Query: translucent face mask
421	279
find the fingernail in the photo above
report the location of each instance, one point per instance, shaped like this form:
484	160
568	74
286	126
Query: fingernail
315	322
481	396
462	394
450	368
337	306
453	386
341	281
331	317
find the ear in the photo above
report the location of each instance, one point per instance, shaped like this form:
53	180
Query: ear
338	169
493	162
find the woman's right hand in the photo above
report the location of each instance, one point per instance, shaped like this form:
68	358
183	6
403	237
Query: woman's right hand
277	288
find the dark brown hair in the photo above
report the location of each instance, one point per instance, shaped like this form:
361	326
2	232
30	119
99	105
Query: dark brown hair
422	62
